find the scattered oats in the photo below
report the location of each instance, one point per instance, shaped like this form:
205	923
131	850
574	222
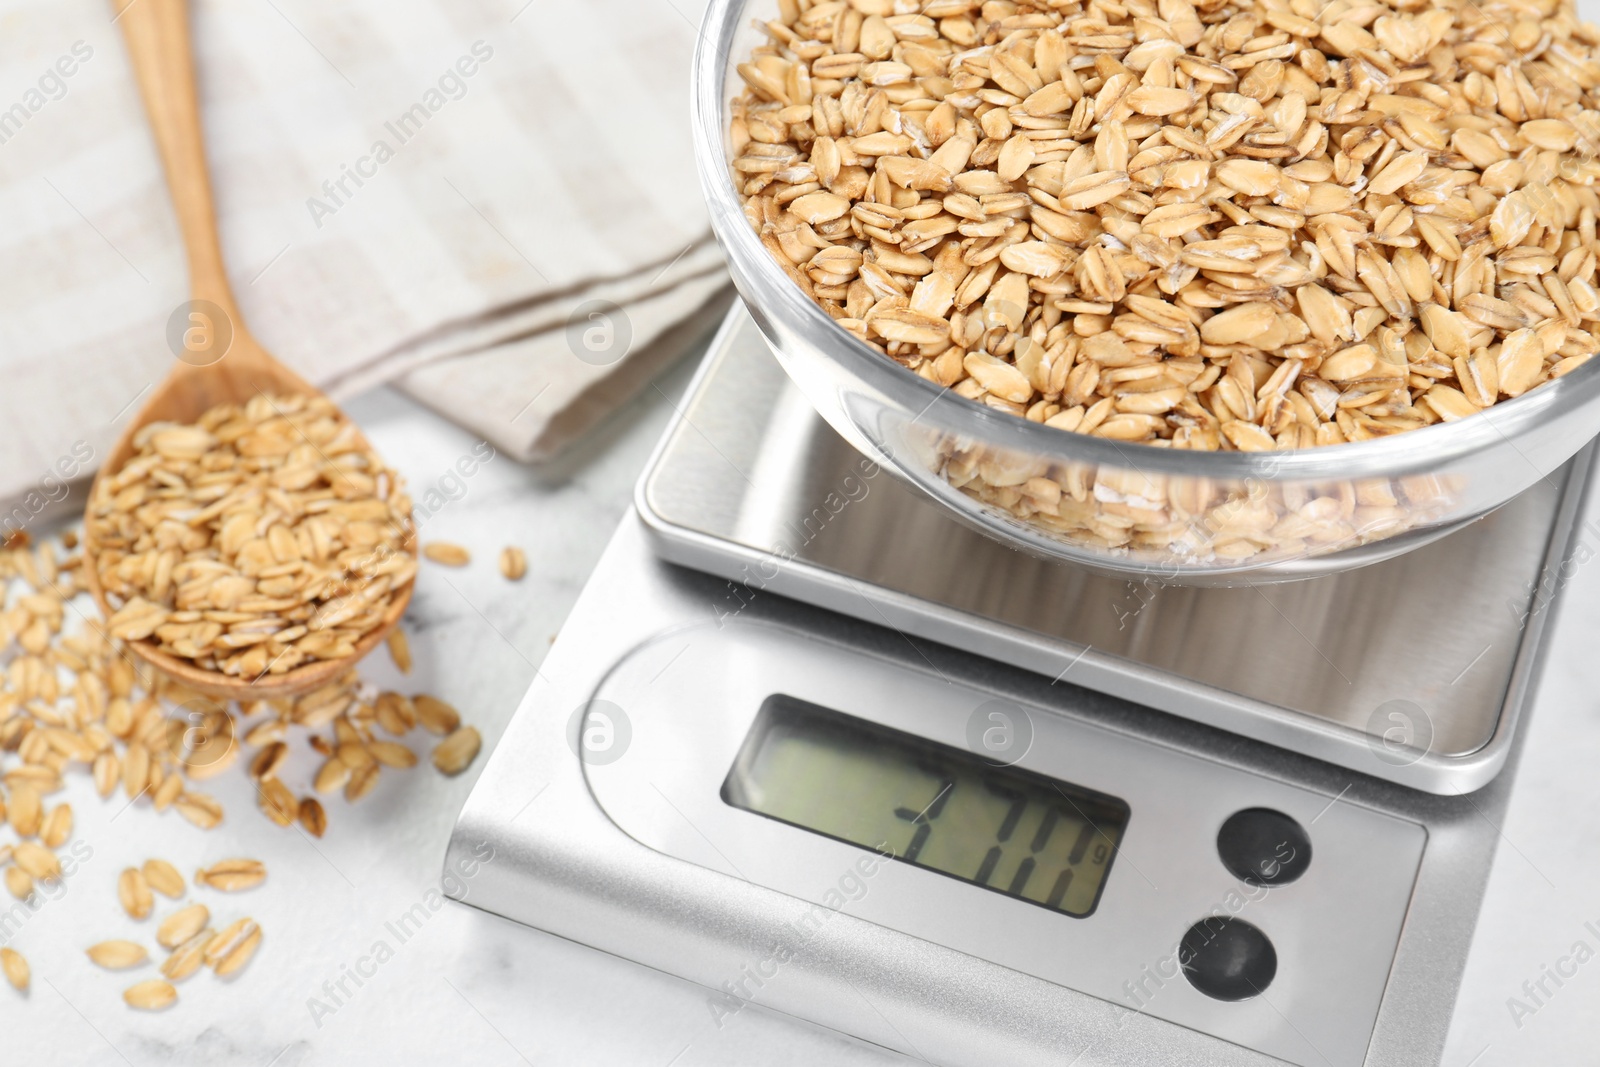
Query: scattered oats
451	555
395	713
265	764
362	781
134	893
199	809
42	780
182	925
16	968
456	752
57	827
167	792
231	876
265	733
19	883
400	649
135	770
392	754
107	773
312	818
435	715
207	746
24	810
322	706
118	955
188	957
332	776
163	877
275	799
233	947
153	994
513	563
354	754
38	861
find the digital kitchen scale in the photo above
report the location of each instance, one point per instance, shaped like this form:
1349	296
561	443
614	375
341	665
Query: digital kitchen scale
810	743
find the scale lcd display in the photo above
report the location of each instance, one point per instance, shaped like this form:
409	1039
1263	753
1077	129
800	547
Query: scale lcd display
1009	830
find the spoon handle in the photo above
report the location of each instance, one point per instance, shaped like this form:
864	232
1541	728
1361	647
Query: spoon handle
157	36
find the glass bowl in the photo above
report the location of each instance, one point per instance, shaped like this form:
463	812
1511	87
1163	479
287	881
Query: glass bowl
1139	510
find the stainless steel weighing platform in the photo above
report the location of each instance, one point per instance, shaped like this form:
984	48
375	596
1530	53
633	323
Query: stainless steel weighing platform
772	583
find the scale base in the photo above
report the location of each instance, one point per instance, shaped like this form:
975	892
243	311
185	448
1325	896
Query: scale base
564	866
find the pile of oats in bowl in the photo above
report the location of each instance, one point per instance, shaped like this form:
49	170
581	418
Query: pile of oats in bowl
256	540
1271	224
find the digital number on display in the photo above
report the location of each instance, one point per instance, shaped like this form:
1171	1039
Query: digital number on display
1006	829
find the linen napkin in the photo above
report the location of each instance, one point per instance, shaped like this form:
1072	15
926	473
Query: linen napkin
491	203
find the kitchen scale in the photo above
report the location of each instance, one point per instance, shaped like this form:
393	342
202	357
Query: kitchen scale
812	744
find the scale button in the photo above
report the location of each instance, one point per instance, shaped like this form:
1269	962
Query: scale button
1264	847
1227	959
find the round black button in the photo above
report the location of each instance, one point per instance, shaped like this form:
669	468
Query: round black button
1227	959
1264	847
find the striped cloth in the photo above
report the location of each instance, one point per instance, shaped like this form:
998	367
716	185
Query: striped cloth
452	195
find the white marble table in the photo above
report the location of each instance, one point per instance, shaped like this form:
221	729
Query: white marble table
467	987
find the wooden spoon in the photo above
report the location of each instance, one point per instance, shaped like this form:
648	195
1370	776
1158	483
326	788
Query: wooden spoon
225	365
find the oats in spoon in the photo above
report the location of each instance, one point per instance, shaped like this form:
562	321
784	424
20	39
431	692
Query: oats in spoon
258	539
